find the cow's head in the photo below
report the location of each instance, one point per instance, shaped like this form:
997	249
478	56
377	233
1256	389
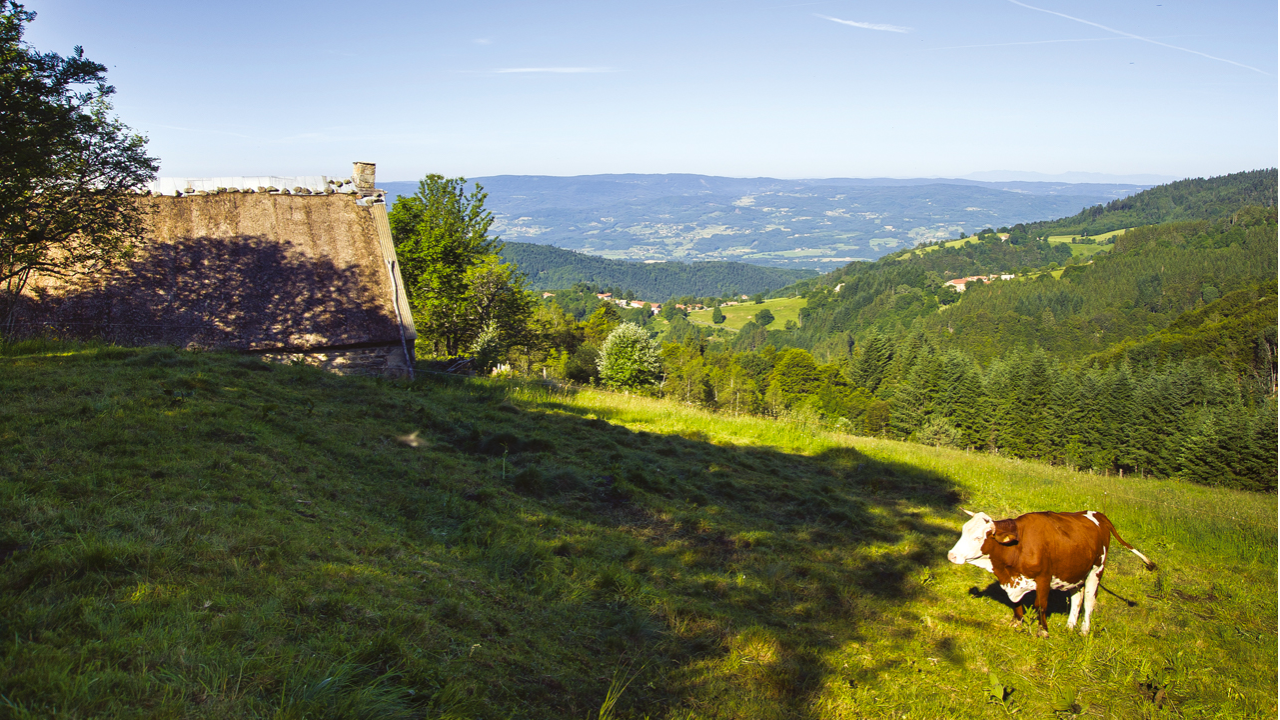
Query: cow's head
977	532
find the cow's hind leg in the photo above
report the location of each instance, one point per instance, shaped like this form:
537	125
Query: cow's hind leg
1090	592
1077	598
1042	604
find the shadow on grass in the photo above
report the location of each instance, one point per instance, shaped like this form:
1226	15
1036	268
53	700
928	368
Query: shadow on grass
518	551
1059	602
739	572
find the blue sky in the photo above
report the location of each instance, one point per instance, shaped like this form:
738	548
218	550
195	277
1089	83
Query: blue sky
912	88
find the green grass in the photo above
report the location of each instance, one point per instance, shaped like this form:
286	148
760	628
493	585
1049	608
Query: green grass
204	535
1103	238
950	243
1083	250
736	316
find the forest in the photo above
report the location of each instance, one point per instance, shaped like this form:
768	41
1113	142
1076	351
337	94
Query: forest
1155	358
1190	199
550	268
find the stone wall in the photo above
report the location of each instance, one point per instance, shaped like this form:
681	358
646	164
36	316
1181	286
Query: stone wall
287	275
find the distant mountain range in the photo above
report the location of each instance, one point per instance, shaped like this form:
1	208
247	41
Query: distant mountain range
1069	177
808	223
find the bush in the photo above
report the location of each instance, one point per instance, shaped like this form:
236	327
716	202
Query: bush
629	358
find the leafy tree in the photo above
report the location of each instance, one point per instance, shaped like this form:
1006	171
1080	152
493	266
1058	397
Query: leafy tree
764	317
67	167
497	303
876	418
688	376
717	316
441	235
629	359
795	375
601	323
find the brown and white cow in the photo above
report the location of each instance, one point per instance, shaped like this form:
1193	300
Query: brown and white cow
1042	551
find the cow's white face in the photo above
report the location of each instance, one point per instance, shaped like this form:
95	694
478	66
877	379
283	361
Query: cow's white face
968	549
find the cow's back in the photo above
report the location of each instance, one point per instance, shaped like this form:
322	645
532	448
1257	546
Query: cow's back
1066	546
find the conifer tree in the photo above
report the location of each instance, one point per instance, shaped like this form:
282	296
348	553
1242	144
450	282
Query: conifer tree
962	400
871	361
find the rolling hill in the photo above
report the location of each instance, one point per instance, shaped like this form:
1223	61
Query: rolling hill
786	223
1149	278
550	268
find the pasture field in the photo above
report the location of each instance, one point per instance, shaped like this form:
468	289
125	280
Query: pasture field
204	535
961	242
736	316
1105	237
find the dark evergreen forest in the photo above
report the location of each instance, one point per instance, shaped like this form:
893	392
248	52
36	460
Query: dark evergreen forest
550	268
1191	199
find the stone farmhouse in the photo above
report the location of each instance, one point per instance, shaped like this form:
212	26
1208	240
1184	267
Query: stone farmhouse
286	268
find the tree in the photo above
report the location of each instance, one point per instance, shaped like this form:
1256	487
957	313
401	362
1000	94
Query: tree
795	375
717	316
629	358
499	307
764	317
67	167
601	323
448	262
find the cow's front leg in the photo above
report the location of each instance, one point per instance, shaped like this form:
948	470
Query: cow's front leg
1077	598
1018	611
1042	603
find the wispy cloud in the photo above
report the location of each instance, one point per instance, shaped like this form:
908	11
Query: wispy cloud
482	41
865	25
1138	37
563	70
1029	42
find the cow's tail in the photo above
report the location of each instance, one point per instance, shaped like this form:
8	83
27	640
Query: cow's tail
1150	565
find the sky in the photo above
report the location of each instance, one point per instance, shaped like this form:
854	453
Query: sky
837	88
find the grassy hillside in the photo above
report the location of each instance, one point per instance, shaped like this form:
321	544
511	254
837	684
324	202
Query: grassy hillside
205	535
736	316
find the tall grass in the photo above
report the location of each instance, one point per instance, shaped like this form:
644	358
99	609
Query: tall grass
206	535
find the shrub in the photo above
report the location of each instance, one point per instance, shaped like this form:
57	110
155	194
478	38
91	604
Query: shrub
629	359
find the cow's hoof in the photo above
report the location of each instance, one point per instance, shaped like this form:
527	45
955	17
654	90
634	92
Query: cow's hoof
1043	633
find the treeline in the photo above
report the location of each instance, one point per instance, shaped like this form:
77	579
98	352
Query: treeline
1195	419
1191	199
548	268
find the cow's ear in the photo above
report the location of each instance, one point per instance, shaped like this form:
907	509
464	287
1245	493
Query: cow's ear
1005	532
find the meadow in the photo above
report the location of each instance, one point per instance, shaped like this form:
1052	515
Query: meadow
736	316
207	535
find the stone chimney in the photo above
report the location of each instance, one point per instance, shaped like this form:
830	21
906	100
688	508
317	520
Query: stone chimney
362	173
